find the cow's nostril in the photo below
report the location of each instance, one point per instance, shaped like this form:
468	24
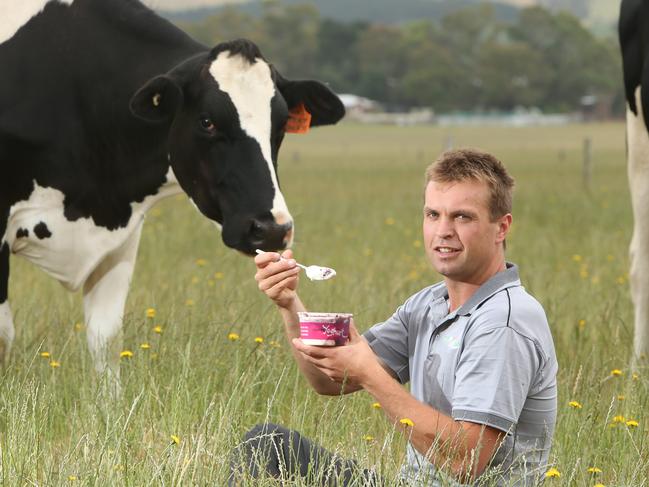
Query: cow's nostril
257	230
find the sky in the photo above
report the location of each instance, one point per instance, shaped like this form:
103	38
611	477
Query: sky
184	4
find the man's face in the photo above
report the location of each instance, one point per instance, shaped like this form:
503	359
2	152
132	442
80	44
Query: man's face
462	243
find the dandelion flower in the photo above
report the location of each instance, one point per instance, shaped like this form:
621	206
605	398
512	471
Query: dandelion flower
619	419
632	423
175	439
54	364
218	275
616	372
201	262
72	478
259	340
368	438
45	354
376	405
389	221
635	376
594	470
406	422
553	473
576	258
233	337
189	302
126	354
274	344
145	346
599	485
581	324
78	326
150	313
621	397
157	329
574	404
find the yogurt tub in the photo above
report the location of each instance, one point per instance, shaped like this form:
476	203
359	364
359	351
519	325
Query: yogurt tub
324	329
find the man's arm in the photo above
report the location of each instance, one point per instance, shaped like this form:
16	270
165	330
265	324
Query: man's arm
278	279
460	447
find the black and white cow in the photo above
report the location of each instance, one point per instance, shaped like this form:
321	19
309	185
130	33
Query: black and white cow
106	108
634	41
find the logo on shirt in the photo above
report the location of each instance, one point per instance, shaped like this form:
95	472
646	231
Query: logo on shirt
452	342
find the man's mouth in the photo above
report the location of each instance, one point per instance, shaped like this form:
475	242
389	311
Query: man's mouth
446	250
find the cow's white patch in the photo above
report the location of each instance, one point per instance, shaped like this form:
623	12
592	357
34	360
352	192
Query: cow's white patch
638	172
75	248
251	88
6	330
13	15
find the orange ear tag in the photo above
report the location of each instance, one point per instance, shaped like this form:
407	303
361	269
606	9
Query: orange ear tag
299	120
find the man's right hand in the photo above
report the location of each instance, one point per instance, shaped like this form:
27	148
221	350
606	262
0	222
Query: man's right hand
278	278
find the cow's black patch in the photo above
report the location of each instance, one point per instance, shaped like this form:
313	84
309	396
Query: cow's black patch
4	272
42	231
22	233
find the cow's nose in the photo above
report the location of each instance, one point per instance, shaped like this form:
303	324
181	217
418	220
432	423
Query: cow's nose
266	234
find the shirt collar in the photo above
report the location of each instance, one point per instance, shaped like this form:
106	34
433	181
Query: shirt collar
499	281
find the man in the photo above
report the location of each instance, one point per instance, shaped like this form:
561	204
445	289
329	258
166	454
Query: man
476	349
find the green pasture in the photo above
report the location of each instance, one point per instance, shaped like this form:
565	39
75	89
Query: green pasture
356	195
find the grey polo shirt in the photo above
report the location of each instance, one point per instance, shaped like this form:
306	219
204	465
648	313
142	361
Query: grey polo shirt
491	361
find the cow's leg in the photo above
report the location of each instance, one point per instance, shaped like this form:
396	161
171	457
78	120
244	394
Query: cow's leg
104	297
638	172
6	320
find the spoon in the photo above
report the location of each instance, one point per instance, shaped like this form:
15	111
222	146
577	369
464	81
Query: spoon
313	272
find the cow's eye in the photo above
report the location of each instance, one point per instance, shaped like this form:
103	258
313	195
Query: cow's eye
207	124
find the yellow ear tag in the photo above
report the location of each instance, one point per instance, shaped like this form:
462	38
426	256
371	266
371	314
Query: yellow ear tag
156	99
299	120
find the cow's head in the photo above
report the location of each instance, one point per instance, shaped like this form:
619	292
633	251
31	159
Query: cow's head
227	113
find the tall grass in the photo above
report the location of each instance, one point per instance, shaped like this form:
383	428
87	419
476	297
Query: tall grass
356	195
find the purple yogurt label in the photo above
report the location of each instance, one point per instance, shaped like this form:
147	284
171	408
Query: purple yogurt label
329	329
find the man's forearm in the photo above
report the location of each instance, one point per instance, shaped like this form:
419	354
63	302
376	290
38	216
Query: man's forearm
443	441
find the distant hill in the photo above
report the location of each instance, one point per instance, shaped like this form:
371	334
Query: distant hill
383	11
598	15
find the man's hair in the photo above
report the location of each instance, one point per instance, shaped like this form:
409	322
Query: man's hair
474	165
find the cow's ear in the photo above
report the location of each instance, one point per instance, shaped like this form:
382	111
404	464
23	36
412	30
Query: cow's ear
322	104
158	100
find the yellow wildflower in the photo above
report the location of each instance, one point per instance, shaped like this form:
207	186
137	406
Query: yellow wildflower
616	372
175	439
210	283
406	422
621	397
368	438
619	419
599	485
145	346
574	404
126	354
78	326
635	376
72	478
594	470
632	423
157	329
553	473
201	262
54	364
45	354
233	337
576	258
274	344
581	324
150	313
189	302
259	340
218	275
376	405
389	221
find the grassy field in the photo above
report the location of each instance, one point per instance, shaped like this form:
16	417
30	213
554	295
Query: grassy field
356	195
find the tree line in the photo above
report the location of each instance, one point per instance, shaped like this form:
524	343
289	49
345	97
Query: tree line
467	60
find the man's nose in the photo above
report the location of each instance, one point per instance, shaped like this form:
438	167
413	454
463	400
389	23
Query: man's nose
445	227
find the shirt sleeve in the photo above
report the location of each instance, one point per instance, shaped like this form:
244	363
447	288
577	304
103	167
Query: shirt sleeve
389	340
493	378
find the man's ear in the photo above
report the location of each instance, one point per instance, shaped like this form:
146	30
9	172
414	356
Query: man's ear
158	100
319	101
